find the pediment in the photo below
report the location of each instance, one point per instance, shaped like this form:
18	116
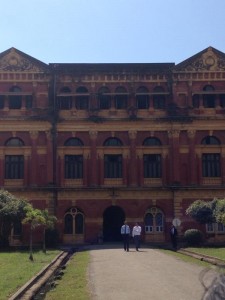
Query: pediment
13	60
209	59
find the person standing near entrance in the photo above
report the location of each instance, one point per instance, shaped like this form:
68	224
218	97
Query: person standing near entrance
125	232
173	235
136	234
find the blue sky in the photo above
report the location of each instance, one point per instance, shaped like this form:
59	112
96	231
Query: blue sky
99	31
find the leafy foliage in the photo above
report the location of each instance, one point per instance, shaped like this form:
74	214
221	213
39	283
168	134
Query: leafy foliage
201	211
11	209
193	237
48	223
219	211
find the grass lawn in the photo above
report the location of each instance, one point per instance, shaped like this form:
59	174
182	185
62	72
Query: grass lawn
74	283
16	269
211	251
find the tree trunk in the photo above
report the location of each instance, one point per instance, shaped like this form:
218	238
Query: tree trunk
31	244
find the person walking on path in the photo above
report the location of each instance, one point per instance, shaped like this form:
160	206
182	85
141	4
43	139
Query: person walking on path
125	232
173	235
136	234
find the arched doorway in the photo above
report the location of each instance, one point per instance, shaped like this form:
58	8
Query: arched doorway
113	218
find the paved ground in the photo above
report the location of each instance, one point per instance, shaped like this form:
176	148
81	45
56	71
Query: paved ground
148	274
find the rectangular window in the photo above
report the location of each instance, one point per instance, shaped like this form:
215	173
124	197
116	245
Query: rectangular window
121	101
142	101
64	103
82	102
209	228
220	227
73	166
14	166
211	165
159	102
2	101
104	102
29	101
148	228
152	166
15	102
113	166
215	227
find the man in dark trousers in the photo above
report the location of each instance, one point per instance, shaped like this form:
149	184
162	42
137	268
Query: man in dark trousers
125	232
173	235
136	234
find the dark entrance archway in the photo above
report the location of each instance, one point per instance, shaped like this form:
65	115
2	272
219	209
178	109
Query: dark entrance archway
113	218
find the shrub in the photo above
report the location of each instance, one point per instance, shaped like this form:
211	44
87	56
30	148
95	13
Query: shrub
193	237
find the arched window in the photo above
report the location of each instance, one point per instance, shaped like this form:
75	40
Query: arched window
14	142
73	142
64	99
159	99
68	224
15	97
152	141
82	98
154	221
121	97
210	140
142	98
74	221
104	98
209	96
113	142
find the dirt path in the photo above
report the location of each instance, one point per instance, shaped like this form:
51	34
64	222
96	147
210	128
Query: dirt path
148	274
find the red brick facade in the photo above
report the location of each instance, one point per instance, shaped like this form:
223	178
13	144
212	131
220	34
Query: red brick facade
98	143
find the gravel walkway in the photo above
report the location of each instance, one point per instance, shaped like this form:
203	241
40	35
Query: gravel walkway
147	274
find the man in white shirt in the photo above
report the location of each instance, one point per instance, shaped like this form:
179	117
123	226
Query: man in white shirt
125	232
136	234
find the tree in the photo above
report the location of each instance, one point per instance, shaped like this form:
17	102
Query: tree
49	222
34	218
202	211
219	211
11	209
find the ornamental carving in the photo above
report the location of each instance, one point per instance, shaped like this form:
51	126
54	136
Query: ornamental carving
191	133
93	134
14	62
208	61
173	133
132	134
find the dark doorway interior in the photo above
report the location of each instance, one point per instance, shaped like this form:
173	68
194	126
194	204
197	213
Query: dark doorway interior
113	219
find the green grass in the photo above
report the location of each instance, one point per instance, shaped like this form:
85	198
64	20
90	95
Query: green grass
74	283
211	251
186	258
16	269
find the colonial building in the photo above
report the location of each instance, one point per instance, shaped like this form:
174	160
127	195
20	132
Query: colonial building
99	143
